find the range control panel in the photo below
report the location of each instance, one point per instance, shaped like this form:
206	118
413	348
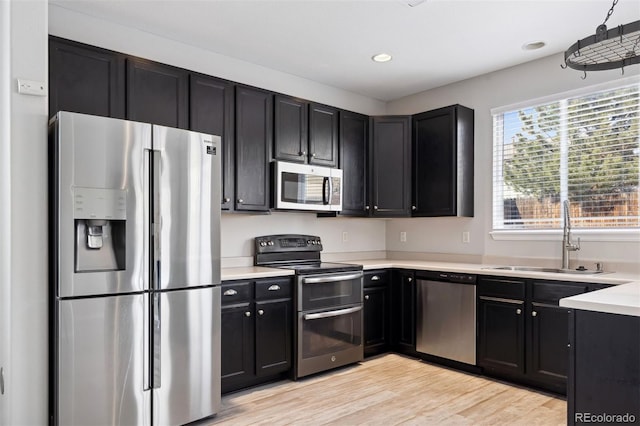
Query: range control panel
287	243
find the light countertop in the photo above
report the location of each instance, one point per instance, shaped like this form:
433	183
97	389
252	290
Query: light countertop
622	298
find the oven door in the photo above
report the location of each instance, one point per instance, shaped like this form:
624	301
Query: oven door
329	339
328	291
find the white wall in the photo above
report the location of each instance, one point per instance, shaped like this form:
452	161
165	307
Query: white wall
86	29
520	83
26	138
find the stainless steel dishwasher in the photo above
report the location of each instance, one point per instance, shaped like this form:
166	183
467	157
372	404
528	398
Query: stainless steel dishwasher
446	317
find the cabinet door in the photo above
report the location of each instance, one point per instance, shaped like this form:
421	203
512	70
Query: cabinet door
85	79
376	320
354	139
443	162
391	166
323	135
211	111
254	124
548	353
237	335
157	93
290	134
501	335
404	311
273	337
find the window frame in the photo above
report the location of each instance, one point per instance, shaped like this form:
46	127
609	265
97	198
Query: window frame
522	234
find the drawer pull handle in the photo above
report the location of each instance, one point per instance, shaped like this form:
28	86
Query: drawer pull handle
230	292
274	287
375	278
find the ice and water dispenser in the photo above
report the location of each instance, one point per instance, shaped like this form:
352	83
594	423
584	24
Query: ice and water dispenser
100	229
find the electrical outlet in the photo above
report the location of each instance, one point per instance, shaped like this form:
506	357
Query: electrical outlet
345	236
403	237
465	237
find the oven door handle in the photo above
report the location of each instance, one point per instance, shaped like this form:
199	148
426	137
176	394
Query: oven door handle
331	279
332	313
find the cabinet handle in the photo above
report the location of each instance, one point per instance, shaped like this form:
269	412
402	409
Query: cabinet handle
366	297
366	208
313	155
301	153
534	314
230	292
375	278
409	279
518	311
260	312
240	201
226	199
414	208
274	287
375	207
247	314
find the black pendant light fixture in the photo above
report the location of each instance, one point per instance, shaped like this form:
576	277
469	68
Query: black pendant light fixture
606	49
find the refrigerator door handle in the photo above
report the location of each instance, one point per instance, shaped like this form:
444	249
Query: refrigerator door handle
157	343
156	225
146	348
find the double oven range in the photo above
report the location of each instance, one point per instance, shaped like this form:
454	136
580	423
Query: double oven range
327	302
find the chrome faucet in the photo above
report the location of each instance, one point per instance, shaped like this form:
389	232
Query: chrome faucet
567	245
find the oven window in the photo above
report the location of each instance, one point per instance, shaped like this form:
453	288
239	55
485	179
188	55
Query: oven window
330	294
302	189
332	334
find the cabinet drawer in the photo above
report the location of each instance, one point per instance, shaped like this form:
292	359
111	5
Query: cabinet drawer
552	292
376	278
273	289
501	288
236	292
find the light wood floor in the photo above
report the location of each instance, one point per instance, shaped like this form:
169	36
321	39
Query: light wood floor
389	390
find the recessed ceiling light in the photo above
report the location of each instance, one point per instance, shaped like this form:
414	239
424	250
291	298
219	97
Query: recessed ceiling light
533	45
381	57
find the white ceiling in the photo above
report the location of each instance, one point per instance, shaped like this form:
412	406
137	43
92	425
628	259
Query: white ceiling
332	41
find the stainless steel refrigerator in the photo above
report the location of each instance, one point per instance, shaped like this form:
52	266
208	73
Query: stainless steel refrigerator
135	259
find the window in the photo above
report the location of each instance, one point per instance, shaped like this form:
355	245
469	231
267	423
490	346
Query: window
583	148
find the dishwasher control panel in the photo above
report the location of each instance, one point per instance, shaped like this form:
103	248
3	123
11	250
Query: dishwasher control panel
450	277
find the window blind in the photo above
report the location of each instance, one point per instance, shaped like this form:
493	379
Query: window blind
584	149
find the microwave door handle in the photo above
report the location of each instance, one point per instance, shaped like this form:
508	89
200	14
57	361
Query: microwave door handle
326	182
330	197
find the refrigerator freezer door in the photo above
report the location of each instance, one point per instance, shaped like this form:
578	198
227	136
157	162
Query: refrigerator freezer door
100	167
186	204
100	364
189	359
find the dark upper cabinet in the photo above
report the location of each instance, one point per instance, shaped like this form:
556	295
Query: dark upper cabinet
85	79
211	111
323	135
443	162
290	129
157	93
354	141
254	132
390	159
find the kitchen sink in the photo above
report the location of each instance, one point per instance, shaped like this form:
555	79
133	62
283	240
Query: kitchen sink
548	270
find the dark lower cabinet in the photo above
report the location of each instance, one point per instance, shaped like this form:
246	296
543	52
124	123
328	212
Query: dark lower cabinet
501	335
376	317
523	333
604	368
211	111
403	314
157	93
254	133
390	159
257	327
354	142
85	79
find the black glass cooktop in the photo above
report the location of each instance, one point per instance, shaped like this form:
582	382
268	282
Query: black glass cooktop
320	267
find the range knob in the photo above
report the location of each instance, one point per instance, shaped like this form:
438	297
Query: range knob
308	242
313	242
263	243
318	242
270	243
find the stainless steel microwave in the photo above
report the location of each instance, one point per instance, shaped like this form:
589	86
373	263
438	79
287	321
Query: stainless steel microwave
307	187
